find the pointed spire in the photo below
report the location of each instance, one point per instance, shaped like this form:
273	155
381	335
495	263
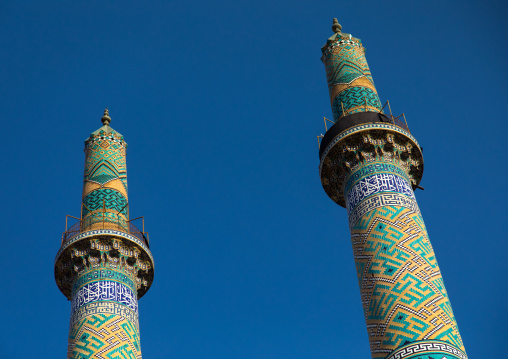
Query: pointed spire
106	120
336	26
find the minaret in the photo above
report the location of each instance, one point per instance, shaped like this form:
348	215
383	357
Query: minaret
370	164
104	264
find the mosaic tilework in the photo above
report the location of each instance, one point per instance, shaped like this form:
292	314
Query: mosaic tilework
349	78
345	61
371	169
377	167
104	290
381	200
428	349
104	264
104	336
109	274
376	183
105	181
110	198
355	99
104	316
96	308
105	157
402	290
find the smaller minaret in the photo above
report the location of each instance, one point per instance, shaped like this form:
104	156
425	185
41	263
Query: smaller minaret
104	264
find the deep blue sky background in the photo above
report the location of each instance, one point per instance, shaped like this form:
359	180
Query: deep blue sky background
220	103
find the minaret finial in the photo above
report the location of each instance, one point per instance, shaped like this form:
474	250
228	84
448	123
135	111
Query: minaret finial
106	120
336	26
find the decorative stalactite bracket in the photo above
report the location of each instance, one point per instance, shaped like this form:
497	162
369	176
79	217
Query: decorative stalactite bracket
104	249
363	138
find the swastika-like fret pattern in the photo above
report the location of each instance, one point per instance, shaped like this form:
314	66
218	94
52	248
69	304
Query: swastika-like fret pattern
355	99
371	169
402	290
380	200
104	314
96	308
104	197
104	336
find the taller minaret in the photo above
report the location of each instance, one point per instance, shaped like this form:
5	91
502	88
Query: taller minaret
371	164
104	264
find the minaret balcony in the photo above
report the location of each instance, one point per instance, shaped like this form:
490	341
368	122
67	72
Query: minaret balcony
103	220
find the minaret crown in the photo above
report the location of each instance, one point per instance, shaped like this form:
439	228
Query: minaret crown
106	120
336	27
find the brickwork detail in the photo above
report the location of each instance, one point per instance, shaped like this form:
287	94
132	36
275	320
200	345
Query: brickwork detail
104	336
372	169
402	290
105	200
350	82
104	316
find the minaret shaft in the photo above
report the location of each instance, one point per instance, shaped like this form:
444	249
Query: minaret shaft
104	313
402	290
370	164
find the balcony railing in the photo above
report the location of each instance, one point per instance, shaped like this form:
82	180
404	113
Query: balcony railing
396	121
96	222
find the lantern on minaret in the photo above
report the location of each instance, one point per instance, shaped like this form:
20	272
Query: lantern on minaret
104	265
370	163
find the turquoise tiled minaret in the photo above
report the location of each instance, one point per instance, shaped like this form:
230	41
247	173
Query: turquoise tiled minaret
104	265
370	164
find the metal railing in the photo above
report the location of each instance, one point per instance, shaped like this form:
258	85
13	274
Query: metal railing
396	121
101	222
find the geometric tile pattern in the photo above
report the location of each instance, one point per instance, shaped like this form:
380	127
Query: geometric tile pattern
376	167
349	78
104	290
101	267
104	320
370	169
403	294
378	201
105	158
376	183
104	336
96	308
428	349
106	274
355	99
111	199
345	61
105	180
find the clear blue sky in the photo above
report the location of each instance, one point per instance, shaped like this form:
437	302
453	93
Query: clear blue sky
220	103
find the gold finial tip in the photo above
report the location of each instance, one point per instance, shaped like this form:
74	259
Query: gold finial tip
106	120
336	26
